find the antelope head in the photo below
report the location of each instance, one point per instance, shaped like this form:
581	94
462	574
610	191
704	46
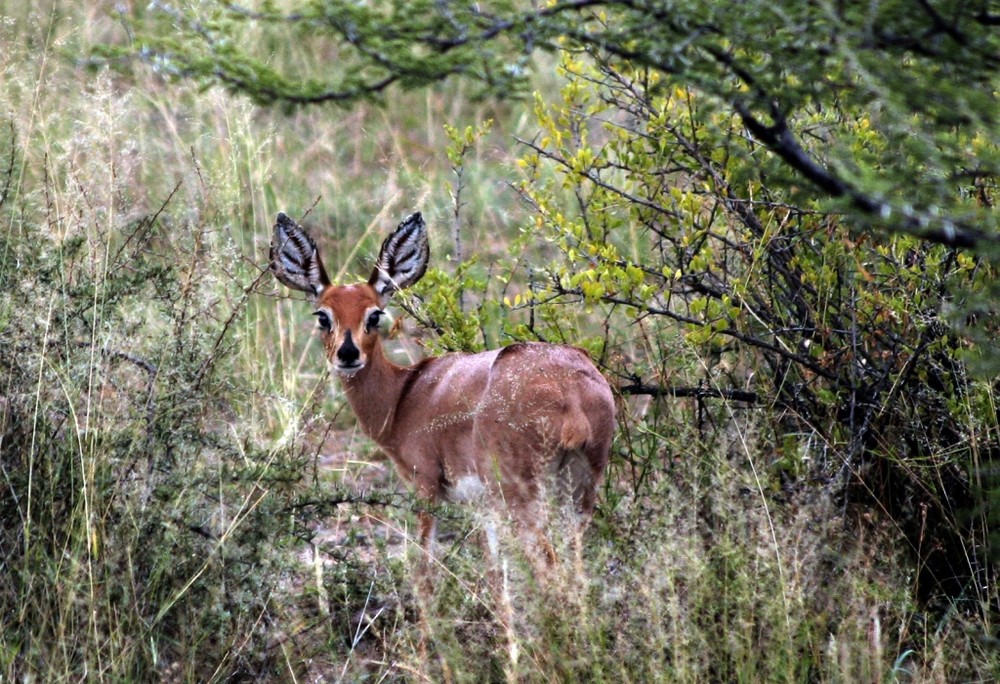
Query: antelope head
349	315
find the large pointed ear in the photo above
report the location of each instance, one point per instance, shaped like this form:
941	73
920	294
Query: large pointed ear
294	258
403	258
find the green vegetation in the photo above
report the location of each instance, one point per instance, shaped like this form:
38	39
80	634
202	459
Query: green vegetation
777	237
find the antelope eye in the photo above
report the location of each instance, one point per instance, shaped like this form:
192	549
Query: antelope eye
323	318
373	319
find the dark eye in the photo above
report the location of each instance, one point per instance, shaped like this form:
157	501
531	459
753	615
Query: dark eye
373	319
323	318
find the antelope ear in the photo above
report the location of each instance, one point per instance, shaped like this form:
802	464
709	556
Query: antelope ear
403	258
294	258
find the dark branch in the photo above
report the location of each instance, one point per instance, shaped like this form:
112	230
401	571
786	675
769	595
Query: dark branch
268	94
698	392
781	141
10	166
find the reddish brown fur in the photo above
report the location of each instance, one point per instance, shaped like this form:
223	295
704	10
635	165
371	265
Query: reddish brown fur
514	424
520	419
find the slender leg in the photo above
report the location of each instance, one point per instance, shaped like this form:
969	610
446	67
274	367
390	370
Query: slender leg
427	528
496	577
548	551
533	523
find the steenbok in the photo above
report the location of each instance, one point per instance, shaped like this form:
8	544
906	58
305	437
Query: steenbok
514	426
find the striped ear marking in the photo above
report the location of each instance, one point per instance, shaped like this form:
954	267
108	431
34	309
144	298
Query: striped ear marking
403	258
295	259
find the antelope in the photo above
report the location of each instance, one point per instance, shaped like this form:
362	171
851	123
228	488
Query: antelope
514	425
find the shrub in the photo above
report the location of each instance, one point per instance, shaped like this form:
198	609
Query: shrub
842	338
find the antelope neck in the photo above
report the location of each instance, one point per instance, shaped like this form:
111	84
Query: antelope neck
374	392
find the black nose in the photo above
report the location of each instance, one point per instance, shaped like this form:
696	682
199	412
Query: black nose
348	353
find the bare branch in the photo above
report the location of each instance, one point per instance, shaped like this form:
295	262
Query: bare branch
699	392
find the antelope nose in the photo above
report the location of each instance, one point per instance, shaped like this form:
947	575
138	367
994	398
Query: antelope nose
348	353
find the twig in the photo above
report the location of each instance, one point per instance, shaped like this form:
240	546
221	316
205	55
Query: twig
700	392
10	164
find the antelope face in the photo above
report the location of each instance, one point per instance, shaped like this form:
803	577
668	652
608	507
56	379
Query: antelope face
349	315
348	318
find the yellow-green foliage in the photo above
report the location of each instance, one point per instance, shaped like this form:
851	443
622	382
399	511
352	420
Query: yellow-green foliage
665	218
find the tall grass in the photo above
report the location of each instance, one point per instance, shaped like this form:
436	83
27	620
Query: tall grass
184	497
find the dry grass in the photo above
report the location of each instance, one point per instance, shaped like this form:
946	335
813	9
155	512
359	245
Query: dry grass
186	498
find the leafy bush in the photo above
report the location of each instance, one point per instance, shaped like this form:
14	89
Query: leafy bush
844	339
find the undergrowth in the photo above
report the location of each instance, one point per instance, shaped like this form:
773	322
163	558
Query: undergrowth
183	497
